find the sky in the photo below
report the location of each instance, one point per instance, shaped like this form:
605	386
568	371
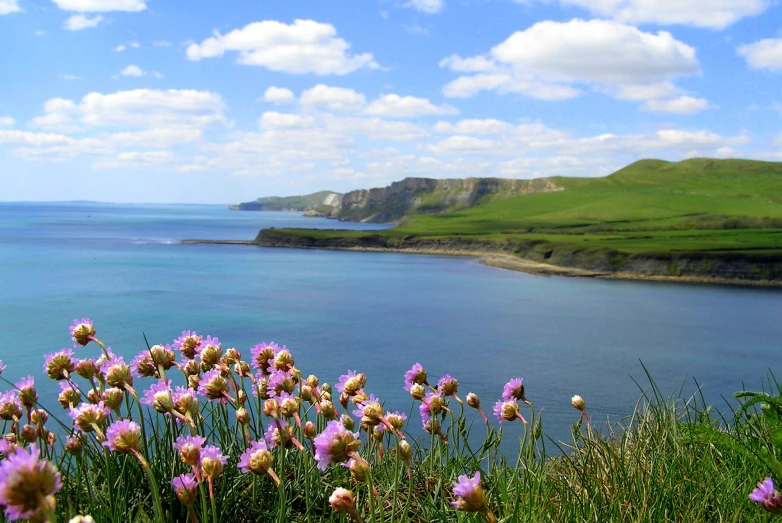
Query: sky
207	101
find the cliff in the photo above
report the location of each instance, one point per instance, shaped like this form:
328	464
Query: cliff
431	196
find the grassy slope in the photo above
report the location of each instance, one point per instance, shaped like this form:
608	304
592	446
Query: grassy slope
271	203
649	206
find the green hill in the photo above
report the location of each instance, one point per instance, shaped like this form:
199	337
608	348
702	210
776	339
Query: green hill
290	203
684	214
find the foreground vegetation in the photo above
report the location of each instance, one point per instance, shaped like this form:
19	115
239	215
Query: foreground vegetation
253	440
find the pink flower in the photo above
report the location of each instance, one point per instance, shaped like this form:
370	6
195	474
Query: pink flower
27	484
470	495
768	497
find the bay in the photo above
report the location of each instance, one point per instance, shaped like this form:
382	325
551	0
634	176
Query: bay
123	267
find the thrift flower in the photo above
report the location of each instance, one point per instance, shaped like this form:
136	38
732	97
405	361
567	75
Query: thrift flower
514	389
335	445
58	365
88	417
508	411
27	394
185	486
416	375
10	406
351	383
213	385
470	495
280	381
212	461
112	398
768	497
28	485
261	354
159	397
123	437
143	366
117	372
87	368
189	448
578	403
163	356
343	501
185	401
258	459
188	344
82	331
448	385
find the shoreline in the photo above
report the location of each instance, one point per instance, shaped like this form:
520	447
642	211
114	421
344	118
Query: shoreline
514	263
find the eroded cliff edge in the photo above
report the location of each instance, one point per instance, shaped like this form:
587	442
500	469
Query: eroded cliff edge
718	267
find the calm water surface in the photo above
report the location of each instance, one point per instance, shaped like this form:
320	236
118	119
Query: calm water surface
123	267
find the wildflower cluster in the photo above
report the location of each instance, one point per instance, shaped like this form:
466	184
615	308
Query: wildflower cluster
220	423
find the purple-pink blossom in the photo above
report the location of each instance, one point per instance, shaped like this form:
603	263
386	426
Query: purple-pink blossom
189	448
123	436
58	365
159	396
416	374
27	484
82	331
768	497
335	444
184	487
469	494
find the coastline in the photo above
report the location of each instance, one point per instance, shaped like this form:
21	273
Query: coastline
515	263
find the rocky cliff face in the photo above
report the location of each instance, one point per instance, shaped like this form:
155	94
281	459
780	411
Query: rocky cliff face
427	195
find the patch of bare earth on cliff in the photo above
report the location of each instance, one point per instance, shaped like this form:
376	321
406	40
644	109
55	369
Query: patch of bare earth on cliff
513	263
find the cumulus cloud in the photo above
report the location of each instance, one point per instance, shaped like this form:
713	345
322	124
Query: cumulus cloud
393	105
275	120
337	98
144	108
161	43
79	22
156	138
278	95
554	60
101	6
426	6
9	6
680	105
55	147
765	54
133	70
305	46
7	121
714	14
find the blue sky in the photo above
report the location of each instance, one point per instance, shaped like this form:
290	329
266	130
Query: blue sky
217	102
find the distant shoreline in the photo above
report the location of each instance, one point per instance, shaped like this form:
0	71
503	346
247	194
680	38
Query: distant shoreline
514	263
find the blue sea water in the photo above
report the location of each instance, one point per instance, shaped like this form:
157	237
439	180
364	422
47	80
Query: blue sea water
123	267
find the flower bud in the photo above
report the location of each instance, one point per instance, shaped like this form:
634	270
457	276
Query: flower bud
81	519
87	369
210	356
29	433
193	381
242	416
68	398
283	360
473	401
241	397
306	393
192	368
312	381
242	368
310	431
578	403
93	396
348	422
112	398
327	409
358	469
162	356
38	416
405	451
232	356
417	391
343	501
271	408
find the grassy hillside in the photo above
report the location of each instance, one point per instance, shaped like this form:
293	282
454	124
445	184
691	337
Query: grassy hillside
278	203
696	218
651	205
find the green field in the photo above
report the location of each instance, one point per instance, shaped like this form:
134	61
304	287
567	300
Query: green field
651	206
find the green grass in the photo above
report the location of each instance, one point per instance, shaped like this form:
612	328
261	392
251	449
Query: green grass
672	459
651	206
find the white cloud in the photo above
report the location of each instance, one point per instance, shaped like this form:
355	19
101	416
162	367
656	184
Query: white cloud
71	77
338	98
55	147
274	120
133	70
147	156
765	54
158	138
680	105
393	105
714	14
7	121
141	108
474	126
101	6
79	22
161	43
120	48
375	128
9	6
426	6
39	32
278	95
305	46
554	60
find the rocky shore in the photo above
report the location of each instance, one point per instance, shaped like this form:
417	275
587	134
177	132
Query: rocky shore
546	259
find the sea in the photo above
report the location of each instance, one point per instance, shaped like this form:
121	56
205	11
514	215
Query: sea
123	266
